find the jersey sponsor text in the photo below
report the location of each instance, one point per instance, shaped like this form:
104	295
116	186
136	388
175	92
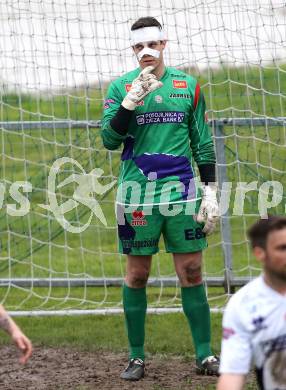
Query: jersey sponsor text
180	95
160	117
180	84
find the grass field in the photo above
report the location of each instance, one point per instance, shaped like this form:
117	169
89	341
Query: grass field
36	246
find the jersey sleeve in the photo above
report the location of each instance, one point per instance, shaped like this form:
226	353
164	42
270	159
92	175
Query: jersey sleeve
236	352
201	141
110	138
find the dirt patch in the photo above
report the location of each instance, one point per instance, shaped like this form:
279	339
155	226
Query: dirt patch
63	369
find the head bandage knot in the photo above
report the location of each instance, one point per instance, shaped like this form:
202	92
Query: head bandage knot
147	34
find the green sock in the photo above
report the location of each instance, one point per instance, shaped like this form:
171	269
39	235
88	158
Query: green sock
197	311
135	306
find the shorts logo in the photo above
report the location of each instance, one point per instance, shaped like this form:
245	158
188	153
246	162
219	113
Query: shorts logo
180	84
194	234
149	243
160	117
138	218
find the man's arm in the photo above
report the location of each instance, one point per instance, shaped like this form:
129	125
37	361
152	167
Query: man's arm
201	141
118	112
236	351
21	341
113	136
231	382
203	151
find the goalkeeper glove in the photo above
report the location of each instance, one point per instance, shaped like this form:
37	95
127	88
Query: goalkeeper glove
209	211
145	83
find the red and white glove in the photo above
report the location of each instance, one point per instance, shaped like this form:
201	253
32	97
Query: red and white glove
209	210
145	83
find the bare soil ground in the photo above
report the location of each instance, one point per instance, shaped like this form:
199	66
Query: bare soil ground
66	369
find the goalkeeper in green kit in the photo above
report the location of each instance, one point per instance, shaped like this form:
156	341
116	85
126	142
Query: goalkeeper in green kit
158	114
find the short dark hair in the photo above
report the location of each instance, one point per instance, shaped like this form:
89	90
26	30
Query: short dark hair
147	21
259	232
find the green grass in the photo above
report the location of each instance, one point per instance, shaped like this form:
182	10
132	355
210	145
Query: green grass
165	334
35	245
72	104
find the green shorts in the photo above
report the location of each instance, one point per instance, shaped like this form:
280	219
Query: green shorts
140	233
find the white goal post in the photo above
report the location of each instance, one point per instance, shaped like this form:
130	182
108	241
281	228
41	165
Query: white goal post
57	59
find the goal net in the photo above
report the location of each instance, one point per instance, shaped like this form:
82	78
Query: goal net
57	59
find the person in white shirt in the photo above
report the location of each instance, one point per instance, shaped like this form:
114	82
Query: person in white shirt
254	322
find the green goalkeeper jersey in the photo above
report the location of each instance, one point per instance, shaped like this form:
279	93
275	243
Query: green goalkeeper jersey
167	131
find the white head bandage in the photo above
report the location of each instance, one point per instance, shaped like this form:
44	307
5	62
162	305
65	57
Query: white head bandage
147	34
149	52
